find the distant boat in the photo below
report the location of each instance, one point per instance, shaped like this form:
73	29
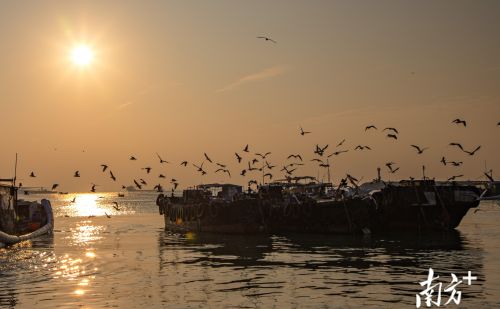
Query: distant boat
22	220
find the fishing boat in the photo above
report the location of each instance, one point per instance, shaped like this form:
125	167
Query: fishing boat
22	220
413	205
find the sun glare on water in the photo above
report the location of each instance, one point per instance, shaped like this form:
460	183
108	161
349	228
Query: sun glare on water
82	55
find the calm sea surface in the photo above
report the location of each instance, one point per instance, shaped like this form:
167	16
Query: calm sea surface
129	261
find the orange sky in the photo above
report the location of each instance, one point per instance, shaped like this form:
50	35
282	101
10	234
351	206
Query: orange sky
183	78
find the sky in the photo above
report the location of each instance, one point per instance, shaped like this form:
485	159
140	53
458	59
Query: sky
181	78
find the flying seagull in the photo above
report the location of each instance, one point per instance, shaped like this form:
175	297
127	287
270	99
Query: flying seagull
370	127
471	153
391	129
104	167
132	158
394	136
161	160
206	157
54	186
419	150
32	174
112	176
302	132
266	38
77	174
237	157
460	121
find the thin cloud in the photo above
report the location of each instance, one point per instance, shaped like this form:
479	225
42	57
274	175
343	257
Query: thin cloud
255	77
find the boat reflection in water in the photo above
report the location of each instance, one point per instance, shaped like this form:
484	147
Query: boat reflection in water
322	268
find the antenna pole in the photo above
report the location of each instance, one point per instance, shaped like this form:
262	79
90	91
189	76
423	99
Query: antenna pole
15	172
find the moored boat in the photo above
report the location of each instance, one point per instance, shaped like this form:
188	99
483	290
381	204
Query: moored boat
22	220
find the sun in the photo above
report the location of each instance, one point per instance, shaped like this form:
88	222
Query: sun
82	55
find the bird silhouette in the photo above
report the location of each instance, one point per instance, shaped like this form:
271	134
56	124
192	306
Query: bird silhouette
77	174
457	145
161	160
246	148
32	175
243	172
341	143
336	153
254	161
394	136
454	177
370	127
224	171
221	165
267	39
54	186
460	121
92	189
295	156
302	132
498	123
104	167
443	160
158	188
112	176
391	129
238	157
161	176
359	147
263	156
73	200
206	157
471	153
185	163
143	181
320	150
115	206
148	169
132	158
268	175
108	216
269	166
419	150
137	185
455	163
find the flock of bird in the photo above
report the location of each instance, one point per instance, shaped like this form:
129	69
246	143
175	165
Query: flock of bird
258	162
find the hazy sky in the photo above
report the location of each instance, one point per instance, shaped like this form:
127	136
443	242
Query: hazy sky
186	77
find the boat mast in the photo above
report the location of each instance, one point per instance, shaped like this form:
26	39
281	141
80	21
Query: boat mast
15	173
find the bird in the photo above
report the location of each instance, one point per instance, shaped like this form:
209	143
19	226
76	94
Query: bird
104	167
268	175
295	156
161	176
394	136
255	161
471	153
320	150
263	156
116	206
391	129
132	158
419	150
224	171
206	157
336	153
73	200
137	185
317	160
269	166
362	147
32	175
238	157
455	163
370	127
175	184
143	182
246	148
394	170
93	188
341	143
457	145
54	186
158	188
221	165
148	169
453	177
252	181
390	164
243	172
302	132
443	160
123	187
498	123
324	165
200	168
185	163
250	168
112	176
266	38
77	174
460	121
107	215
161	160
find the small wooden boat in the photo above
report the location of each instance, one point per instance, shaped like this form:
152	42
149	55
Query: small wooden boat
22	220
